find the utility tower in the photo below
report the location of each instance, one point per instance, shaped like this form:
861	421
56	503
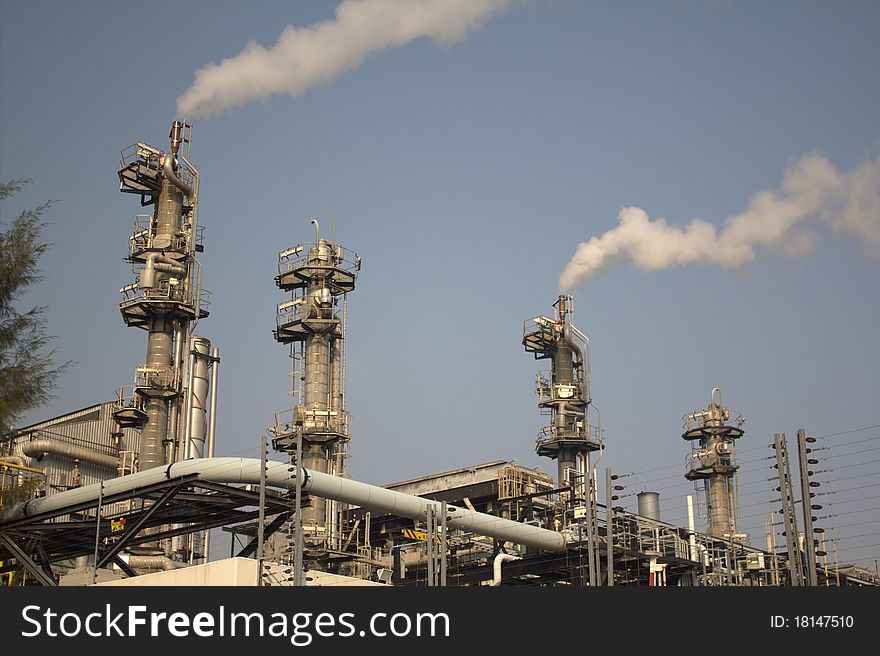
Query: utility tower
713	460
318	277
166	301
564	391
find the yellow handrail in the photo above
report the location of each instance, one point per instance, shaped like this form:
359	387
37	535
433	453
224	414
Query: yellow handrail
10	465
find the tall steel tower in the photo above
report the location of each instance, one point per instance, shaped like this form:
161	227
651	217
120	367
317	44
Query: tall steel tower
166	300
318	276
565	395
713	460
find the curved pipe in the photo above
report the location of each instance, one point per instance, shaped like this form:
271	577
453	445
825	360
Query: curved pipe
496	566
40	447
281	474
21	461
161	264
151	562
572	344
168	169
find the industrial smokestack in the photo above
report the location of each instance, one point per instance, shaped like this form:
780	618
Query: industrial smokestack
304	57
847	201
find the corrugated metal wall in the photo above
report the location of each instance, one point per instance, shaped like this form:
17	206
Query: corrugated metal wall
91	428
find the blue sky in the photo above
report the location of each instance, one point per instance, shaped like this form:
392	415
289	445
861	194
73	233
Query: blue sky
465	176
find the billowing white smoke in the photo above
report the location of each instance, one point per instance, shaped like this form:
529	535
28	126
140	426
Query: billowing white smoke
812	188
307	56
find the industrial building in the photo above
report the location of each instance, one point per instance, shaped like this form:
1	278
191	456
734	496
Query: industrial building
127	492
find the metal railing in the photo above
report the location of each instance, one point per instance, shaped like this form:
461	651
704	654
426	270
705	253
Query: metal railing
590	433
297	257
156	377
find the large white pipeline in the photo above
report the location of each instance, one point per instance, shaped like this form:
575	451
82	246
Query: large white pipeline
280	474
43	445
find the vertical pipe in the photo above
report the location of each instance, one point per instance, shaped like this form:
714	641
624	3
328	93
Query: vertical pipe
336	377
200	359
443	544
297	526
212	425
339	470
174	422
212	417
691	527
429	542
344	337
187	431
588	520
587	490
261	522
693	552
172	448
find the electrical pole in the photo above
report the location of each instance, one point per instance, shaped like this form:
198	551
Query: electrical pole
809	545
609	527
791	536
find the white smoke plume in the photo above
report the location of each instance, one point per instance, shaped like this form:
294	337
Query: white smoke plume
304	57
812	188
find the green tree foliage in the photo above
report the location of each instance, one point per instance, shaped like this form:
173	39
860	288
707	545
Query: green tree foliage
21	491
28	371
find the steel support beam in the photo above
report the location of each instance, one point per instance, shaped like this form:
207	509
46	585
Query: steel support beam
29	564
124	566
133	531
809	545
273	526
107	500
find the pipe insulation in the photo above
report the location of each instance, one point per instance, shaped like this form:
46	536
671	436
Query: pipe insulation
151	562
496	566
41	446
197	430
160	358
168	169
157	263
247	470
21	461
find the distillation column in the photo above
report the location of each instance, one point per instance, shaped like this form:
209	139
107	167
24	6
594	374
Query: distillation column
167	299
318	276
713	460
565	396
